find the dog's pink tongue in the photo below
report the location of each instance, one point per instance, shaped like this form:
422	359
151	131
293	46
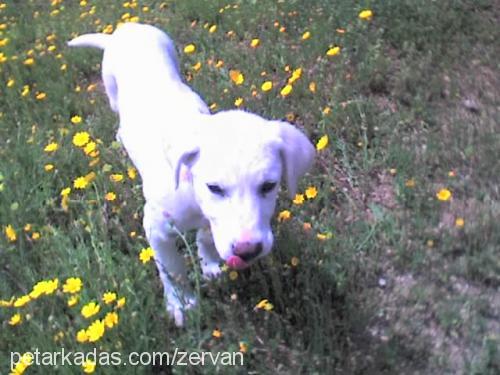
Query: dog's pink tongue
236	262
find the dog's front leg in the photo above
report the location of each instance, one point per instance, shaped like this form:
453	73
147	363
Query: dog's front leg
209	258
171	264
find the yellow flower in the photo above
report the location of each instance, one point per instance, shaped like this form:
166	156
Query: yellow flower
10	233
216	333
110	196
296	74
90	148
80	139
95	331
48	167
76	119
264	305
237	77
266	86
311	192
51	147
132	173
109	297
255	43
90	309
41	96
322	143
21	301
366	14
212	29
190	48
238	102
72	285
459	222
44	287
443	195
88	366
333	51
197	66
299	199
15	319
117	177
312	87
121	302
29	61
306	35
146	254
5	303
11	82
65	192
72	301
26	90
284	215
80	183
21	366
81	336
35	236
111	319
286	90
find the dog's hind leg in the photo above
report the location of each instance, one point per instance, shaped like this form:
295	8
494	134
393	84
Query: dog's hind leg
171	265
209	258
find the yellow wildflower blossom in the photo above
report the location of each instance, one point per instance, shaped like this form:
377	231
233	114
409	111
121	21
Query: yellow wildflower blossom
284	215
15	319
286	90
72	285
299	199
80	139
51	147
111	319
95	331
10	233
109	297
81	336
237	77
443	195
90	309
146	254
80	183
366	14
88	366
190	48
267	86
21	301
322	143
311	192
333	51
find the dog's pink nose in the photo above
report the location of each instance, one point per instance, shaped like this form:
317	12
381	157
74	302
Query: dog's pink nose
247	250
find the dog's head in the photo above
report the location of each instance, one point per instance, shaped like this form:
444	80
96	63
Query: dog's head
236	163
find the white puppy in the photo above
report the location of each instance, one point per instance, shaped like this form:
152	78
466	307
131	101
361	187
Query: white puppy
215	173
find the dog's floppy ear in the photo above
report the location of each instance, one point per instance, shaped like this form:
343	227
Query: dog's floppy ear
184	152
297	153
187	158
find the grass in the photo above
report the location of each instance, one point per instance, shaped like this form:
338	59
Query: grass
373	275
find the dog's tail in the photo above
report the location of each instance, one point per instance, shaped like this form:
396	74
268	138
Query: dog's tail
96	40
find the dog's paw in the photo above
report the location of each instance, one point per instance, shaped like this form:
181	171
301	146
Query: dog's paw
210	270
177	310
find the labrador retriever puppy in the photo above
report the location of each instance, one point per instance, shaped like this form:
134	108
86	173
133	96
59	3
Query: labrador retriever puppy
217	173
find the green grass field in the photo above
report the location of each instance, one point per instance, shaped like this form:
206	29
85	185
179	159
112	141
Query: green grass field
391	263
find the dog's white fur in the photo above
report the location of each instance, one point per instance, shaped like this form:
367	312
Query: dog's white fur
214	173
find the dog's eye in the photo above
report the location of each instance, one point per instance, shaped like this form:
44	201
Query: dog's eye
267	187
216	189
